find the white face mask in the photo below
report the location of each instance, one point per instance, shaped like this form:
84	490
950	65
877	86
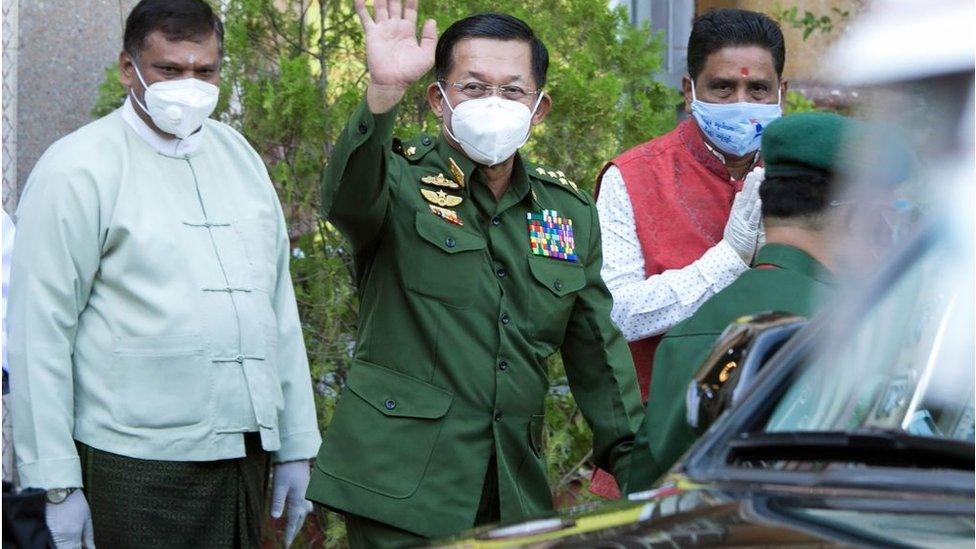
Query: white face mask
490	129
178	107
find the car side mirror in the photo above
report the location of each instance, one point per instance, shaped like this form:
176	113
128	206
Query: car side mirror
735	361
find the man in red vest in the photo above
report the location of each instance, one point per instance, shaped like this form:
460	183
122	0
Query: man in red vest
680	218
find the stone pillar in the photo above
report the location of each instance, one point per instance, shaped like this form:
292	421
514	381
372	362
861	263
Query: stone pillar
65	47
10	48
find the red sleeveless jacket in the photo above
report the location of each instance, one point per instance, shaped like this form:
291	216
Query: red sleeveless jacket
681	195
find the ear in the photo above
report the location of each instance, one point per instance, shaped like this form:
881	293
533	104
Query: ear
784	86
127	74
686	85
435	100
545	105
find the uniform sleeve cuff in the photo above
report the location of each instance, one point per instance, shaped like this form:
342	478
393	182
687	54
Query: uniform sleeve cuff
51	473
298	446
367	125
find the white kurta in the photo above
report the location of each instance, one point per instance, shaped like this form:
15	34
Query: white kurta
646	306
152	313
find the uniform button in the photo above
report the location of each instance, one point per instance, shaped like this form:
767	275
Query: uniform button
505	318
363	128
501	272
425	140
450	242
503	365
498	416
239	359
558	285
496	221
390	404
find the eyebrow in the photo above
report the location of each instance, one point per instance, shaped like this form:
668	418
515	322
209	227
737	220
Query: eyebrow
732	82
180	64
480	76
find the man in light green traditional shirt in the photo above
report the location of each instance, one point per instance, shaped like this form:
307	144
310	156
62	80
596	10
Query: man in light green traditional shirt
156	354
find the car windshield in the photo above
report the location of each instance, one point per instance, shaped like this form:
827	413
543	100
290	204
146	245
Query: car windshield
902	361
906	366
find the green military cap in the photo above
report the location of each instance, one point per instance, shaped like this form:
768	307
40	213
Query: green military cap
806	142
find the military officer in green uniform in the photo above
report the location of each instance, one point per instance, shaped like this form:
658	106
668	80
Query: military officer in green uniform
473	266
792	273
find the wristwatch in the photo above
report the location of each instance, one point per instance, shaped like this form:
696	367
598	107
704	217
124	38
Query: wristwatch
58	495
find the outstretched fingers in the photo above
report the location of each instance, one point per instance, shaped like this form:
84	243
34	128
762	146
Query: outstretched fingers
363	13
382	10
428	37
410	12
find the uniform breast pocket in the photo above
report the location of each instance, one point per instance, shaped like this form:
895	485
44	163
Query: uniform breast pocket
445	262
556	285
259	239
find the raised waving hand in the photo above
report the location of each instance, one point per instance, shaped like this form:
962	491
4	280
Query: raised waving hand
394	56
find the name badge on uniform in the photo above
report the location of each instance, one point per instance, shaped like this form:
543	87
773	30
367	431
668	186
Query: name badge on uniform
551	235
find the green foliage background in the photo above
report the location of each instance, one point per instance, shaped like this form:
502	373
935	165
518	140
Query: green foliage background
293	72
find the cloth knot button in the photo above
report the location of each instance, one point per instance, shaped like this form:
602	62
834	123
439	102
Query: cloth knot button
390	404
450	242
501	272
505	318
496	221
503	365
558	285
363	128
498	416
239	359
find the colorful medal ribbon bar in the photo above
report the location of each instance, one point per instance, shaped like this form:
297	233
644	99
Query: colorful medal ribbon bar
551	235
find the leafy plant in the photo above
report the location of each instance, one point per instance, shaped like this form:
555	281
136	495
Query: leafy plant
797	102
810	22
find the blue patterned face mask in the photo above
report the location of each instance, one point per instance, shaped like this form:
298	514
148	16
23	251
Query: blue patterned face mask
735	128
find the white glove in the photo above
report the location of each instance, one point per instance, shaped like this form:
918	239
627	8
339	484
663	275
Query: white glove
70	522
290	482
744	230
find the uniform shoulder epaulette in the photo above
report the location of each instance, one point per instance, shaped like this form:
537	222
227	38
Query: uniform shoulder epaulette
414	149
559	179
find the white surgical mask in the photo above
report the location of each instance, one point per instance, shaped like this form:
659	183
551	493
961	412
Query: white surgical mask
178	107
490	129
735	128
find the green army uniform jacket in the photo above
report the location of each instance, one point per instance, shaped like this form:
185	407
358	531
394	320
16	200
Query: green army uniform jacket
785	279
457	317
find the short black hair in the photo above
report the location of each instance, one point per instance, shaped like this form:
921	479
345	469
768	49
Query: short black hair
724	28
497	26
801	196
178	20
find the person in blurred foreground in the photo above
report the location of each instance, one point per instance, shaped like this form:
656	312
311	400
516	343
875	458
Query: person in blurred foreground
157	366
792	273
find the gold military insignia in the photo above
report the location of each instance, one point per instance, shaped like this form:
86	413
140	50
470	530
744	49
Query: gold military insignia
456	171
450	216
411	151
439	181
441	198
565	181
542	171
552	175
560	173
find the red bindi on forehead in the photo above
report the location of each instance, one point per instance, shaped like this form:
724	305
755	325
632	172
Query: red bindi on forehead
744	71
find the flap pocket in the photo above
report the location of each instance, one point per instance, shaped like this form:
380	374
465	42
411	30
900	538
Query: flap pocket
396	394
449	238
560	277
